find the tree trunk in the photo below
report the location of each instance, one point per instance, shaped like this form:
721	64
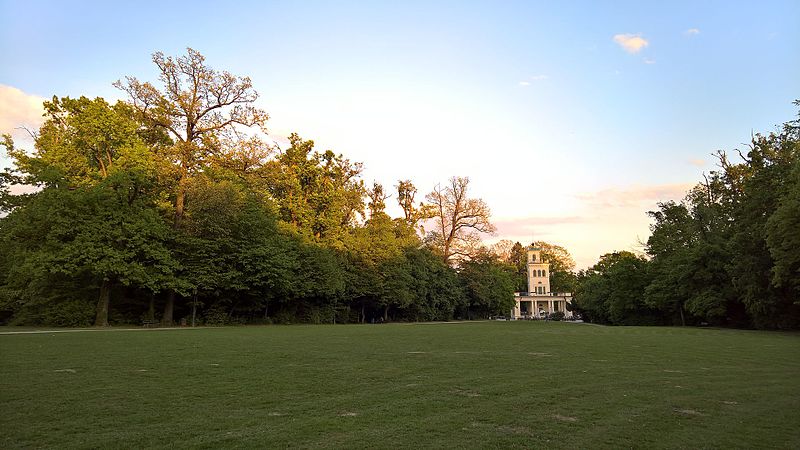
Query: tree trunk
101	320
683	321
151	310
363	314
180	198
166	319
386	313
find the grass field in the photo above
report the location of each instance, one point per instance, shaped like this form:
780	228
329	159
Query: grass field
488	384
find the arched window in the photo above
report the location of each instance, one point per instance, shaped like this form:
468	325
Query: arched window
538	273
544	273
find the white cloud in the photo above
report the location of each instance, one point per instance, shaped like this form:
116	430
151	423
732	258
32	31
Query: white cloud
533	78
692	32
649	61
18	109
631	43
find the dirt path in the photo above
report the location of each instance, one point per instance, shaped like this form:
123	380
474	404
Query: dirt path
81	330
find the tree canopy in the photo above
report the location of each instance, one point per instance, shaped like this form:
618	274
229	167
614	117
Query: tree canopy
172	201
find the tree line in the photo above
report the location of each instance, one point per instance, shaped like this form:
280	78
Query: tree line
728	254
172	206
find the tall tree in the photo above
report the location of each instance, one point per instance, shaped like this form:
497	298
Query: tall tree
753	191
92	157
458	220
203	111
783	238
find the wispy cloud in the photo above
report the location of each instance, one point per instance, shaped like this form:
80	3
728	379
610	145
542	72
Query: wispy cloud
631	43
534	78
636	195
697	162
528	225
649	61
692	32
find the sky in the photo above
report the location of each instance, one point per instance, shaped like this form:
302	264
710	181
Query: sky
571	119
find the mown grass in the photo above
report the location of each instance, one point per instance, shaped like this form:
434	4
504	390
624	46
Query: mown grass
475	385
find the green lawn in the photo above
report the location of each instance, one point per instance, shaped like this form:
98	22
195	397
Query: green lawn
488	384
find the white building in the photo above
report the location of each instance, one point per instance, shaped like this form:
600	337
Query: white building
538	302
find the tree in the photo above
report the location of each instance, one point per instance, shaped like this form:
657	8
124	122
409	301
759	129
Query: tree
502	249
457	220
611	291
436	287
97	174
201	109
488	286
377	200
515	258
406	192
81	142
91	233
318	194
783	238
753	190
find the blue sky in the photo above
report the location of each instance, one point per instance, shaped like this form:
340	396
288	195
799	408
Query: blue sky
568	134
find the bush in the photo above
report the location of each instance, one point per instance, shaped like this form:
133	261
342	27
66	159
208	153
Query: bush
216	316
64	313
557	316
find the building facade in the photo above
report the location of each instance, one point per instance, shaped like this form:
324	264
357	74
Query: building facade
539	301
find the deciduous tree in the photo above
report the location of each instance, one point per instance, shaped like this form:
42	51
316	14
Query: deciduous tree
203	110
457	220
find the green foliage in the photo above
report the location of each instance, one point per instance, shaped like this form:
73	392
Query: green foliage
783	238
611	291
164	201
488	286
317	193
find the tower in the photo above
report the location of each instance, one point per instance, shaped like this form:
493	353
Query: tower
538	272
